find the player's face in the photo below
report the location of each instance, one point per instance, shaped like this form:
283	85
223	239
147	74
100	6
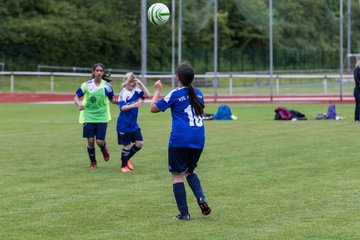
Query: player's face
131	85
98	72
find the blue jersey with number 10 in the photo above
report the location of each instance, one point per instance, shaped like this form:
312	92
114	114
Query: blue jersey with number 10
187	128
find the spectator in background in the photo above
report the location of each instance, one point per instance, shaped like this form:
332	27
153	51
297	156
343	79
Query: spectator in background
95	111
357	90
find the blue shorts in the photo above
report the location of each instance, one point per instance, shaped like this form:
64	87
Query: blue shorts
128	138
183	160
90	130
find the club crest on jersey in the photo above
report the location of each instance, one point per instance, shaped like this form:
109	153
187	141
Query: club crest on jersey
92	99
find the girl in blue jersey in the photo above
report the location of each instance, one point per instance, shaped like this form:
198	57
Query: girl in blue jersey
94	111
187	137
128	130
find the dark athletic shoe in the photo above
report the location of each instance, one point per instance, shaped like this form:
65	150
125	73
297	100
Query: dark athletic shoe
182	217
205	209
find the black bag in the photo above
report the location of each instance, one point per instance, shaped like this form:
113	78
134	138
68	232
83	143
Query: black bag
298	115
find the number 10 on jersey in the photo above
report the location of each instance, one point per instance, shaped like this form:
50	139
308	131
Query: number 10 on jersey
193	120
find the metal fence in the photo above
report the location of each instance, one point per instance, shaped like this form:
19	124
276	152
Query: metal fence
75	69
230	84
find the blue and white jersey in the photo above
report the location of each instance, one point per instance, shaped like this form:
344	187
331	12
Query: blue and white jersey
187	129
127	120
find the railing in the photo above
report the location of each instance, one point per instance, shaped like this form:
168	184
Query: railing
230	84
75	69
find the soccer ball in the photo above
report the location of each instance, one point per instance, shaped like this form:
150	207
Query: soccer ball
158	13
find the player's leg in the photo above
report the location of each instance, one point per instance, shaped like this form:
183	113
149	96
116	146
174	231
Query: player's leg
125	140
138	139
91	152
89	133
177	167
180	196
100	140
357	104
124	158
194	181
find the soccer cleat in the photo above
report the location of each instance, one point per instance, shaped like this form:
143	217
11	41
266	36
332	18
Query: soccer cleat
182	217
205	209
129	165
125	169
92	165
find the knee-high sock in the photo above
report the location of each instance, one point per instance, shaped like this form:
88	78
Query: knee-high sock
195	185
180	197
91	152
124	157
103	147
134	149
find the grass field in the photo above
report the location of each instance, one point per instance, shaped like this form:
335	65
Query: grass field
264	179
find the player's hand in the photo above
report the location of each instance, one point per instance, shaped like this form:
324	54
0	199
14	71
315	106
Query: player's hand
115	101
137	81
81	107
138	104
158	85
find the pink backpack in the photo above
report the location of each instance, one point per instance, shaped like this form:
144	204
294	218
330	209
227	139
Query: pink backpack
282	113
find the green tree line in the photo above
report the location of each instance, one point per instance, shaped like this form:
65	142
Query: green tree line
82	32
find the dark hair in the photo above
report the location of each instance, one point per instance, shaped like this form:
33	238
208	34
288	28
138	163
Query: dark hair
186	74
105	76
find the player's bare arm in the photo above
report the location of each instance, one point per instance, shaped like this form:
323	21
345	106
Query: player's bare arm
143	87
156	97
78	103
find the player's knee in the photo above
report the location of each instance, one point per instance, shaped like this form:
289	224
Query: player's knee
91	142
100	142
127	147
139	144
177	177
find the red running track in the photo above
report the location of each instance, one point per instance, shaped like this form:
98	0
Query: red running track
68	98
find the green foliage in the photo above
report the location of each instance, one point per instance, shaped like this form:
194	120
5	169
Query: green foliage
81	32
69	33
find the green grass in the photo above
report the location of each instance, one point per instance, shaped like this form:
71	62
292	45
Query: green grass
264	179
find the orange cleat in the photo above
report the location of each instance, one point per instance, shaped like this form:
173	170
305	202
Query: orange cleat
129	165
125	169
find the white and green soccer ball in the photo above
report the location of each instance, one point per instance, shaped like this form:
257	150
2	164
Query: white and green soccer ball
158	13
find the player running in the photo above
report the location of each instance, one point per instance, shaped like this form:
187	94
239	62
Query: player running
94	111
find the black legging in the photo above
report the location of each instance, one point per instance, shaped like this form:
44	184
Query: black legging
357	103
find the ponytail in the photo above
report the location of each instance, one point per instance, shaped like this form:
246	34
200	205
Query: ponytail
195	101
106	77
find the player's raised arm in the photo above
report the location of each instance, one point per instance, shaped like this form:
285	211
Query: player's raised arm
143	87
156	97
